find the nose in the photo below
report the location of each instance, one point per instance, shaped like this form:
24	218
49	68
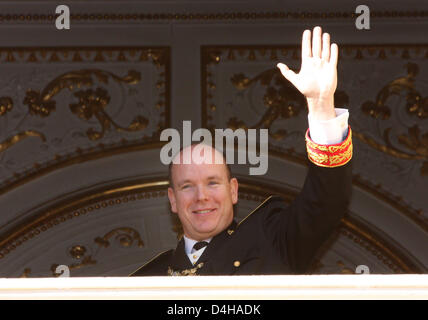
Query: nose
201	193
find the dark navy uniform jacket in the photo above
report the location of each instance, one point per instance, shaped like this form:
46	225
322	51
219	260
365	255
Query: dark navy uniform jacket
275	238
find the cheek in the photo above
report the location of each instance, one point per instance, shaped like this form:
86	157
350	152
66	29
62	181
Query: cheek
221	196
185	200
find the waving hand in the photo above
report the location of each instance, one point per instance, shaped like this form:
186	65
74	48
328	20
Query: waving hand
317	79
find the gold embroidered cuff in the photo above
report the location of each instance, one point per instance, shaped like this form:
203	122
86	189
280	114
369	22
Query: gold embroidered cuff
333	155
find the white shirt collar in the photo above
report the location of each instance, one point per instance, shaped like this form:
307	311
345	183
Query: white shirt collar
189	243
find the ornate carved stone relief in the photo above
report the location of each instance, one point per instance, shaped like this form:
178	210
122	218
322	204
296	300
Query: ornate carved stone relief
67	104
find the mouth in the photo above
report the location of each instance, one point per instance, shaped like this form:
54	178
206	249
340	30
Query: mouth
204	211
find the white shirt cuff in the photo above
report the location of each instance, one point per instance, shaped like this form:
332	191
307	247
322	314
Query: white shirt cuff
329	131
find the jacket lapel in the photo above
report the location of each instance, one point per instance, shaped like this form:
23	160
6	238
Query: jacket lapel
180	260
216	245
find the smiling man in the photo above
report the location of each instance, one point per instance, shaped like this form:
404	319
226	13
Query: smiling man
275	238
202	194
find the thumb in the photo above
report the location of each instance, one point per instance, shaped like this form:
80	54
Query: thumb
288	74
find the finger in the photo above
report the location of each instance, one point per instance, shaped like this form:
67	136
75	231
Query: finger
288	74
325	55
306	44
316	42
334	54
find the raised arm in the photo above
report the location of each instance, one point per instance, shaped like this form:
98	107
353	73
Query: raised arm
298	231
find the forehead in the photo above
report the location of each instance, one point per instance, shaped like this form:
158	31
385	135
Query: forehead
210	164
199	153
193	171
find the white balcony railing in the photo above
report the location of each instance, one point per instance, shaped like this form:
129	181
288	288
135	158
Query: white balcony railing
220	287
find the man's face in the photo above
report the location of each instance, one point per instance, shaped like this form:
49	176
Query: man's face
203	197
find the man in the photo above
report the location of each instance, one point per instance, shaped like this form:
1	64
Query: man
275	238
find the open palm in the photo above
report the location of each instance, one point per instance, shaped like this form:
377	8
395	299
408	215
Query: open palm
317	79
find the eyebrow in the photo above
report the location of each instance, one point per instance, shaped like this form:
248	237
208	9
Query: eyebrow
180	183
214	177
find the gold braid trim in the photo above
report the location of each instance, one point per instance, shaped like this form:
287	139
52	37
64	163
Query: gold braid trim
186	272
330	156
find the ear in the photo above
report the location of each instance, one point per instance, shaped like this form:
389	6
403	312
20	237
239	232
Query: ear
172	200
234	190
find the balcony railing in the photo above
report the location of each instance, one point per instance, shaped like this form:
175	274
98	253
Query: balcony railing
220	287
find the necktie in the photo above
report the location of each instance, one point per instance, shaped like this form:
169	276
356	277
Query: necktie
199	245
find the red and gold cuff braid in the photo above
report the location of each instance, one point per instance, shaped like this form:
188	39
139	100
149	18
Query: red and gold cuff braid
332	155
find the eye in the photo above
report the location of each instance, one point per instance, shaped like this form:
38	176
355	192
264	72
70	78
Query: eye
211	183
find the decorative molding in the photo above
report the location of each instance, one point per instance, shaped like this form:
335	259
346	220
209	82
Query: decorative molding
92	104
125	236
158	55
394	200
375	245
86	261
79	206
212	16
9	142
